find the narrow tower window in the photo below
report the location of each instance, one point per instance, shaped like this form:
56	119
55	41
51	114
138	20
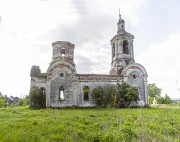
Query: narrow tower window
125	47
86	93
61	93
113	50
62	51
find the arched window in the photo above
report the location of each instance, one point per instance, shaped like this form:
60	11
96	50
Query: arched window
63	52
61	93
86	93
125	47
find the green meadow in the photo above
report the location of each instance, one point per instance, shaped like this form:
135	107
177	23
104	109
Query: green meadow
21	124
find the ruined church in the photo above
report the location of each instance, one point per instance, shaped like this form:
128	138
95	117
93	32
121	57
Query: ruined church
64	87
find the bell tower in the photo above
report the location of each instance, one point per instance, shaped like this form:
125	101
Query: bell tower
122	48
63	50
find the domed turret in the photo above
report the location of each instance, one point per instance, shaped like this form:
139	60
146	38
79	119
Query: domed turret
120	25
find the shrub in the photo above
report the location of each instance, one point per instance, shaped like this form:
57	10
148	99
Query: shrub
37	98
126	95
2	100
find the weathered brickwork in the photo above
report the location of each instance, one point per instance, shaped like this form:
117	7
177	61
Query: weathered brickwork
64	87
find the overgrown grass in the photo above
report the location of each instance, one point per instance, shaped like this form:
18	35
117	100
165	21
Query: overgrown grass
21	124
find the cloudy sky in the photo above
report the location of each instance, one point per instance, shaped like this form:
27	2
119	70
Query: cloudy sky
28	28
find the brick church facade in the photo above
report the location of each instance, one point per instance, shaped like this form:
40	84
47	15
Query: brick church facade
64	87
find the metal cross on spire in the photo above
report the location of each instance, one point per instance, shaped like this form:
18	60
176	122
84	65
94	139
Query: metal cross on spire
119	14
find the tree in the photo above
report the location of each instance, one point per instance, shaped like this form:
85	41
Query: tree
23	101
104	96
126	95
167	99
20	102
153	90
164	100
26	101
97	95
112	93
160	100
37	97
2	100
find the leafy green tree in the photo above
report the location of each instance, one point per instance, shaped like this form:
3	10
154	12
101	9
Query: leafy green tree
164	100
111	96
151	100
37	97
20	102
104	96
98	95
160	100
2	100
126	95
167	99
24	101
153	90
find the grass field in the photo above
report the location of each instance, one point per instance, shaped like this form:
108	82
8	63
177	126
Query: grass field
21	124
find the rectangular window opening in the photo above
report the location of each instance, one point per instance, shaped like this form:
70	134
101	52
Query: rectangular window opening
62	52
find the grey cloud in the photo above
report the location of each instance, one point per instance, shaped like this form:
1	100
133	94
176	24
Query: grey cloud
83	64
91	28
80	7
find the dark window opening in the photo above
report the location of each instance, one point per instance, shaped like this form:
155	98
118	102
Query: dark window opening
61	74
61	93
62	52
127	61
125	47
42	90
122	26
113	50
86	93
134	76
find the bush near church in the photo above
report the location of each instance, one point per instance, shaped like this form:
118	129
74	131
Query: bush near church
111	96
37	98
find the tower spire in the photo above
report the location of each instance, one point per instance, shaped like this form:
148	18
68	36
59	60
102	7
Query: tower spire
119	14
120	24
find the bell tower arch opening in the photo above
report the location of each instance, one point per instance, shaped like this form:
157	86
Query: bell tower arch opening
125	47
113	50
63	49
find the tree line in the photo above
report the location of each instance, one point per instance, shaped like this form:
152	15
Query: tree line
155	92
11	101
